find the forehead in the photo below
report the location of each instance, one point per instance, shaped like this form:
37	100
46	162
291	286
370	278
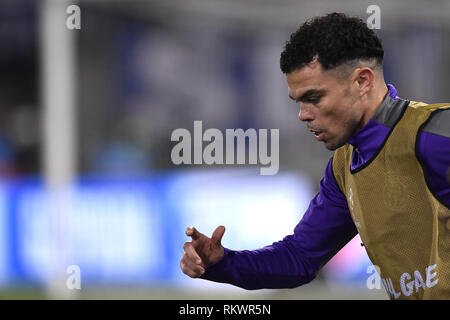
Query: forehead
308	77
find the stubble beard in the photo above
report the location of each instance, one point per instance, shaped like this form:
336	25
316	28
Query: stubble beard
350	127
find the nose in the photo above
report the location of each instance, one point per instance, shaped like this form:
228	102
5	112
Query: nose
305	114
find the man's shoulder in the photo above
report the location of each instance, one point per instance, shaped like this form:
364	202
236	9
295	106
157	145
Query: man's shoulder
439	121
428	106
436	117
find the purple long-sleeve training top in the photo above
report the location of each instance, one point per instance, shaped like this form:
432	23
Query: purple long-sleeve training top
327	224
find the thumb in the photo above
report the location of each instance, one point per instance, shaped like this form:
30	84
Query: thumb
217	235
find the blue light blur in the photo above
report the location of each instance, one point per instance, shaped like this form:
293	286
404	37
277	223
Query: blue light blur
131	230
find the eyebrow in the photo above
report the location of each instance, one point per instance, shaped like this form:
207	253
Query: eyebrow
308	94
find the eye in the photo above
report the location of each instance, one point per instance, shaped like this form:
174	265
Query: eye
314	100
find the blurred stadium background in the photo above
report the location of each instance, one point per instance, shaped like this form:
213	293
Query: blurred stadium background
85	122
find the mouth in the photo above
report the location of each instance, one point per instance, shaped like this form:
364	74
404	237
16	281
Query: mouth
317	134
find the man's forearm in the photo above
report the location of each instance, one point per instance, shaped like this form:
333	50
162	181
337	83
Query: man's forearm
275	266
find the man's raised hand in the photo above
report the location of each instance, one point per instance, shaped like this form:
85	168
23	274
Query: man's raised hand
201	251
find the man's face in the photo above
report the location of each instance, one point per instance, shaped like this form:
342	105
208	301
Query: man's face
328	103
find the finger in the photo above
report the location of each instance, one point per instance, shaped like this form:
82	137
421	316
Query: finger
191	269
217	235
193	233
191	253
197	269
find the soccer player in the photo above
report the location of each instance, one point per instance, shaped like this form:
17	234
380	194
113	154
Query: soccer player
388	179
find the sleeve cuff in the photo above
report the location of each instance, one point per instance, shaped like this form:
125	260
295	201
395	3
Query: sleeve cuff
218	270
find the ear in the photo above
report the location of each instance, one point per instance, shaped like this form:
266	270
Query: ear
364	79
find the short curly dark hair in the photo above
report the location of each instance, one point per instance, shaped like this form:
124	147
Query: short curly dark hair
334	39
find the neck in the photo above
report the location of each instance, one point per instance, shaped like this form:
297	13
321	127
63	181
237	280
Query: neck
374	102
